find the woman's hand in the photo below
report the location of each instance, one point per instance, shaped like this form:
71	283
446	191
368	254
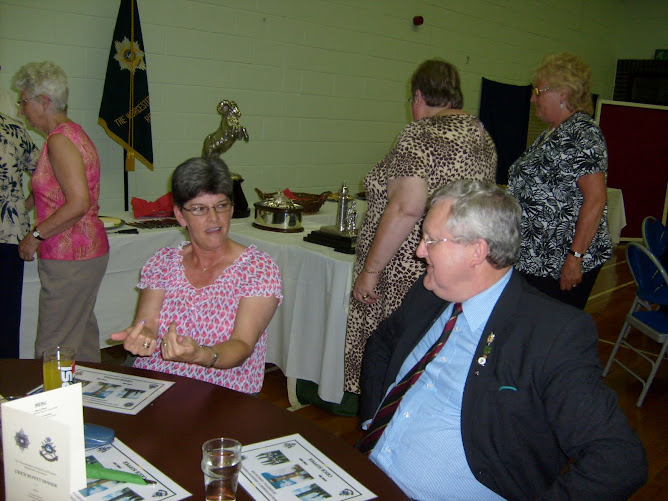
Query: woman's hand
178	348
27	247
364	288
138	340
571	273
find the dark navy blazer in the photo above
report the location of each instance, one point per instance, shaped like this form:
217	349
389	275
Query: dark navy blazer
537	402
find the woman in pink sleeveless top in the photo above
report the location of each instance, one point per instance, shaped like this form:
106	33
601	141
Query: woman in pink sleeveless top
68	237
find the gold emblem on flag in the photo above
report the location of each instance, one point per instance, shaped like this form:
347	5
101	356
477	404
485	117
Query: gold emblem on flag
129	55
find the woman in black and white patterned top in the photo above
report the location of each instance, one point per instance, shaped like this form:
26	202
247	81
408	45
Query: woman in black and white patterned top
560	183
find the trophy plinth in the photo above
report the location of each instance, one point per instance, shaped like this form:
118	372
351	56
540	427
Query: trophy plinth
342	236
331	236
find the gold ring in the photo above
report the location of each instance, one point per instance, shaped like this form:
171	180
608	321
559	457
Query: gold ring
365	296
146	344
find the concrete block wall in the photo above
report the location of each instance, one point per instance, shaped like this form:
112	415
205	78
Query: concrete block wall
322	84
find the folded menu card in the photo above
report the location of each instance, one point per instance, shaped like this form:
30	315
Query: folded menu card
43	445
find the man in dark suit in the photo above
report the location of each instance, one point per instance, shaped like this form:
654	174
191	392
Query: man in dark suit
512	406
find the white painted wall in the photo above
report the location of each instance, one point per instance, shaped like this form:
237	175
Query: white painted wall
322	84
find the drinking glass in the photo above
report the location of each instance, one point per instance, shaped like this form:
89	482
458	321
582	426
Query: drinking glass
58	367
221	463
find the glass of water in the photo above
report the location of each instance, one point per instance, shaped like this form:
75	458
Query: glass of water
221	463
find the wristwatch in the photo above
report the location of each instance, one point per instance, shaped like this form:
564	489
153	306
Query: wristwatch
35	233
576	254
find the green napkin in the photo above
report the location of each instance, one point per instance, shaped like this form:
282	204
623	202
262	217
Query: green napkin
96	470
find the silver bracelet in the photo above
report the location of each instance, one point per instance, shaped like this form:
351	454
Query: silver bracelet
215	356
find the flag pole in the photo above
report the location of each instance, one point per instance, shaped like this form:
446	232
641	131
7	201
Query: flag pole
125	182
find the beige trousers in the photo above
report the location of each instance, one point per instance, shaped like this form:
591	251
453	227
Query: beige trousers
66	302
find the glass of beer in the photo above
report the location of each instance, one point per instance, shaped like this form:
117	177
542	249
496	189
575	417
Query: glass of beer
221	463
58	367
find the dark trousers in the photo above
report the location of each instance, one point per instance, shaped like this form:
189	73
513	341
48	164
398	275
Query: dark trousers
11	289
577	296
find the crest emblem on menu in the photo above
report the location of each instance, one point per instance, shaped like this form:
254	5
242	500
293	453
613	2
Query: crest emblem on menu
48	450
22	440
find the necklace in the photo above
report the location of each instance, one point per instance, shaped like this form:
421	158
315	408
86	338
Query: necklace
204	270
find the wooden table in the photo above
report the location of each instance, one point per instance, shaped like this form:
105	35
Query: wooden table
169	433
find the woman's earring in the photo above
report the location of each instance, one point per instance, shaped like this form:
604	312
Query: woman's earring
561	105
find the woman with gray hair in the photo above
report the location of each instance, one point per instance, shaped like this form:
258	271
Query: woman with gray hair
204	306
560	183
68	237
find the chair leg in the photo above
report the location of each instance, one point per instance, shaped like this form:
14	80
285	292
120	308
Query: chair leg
655	368
622	335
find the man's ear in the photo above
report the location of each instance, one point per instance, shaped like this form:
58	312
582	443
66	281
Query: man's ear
480	252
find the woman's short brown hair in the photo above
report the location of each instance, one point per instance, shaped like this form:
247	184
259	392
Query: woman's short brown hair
569	71
438	81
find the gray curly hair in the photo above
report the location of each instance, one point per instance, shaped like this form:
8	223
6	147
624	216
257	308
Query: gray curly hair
45	78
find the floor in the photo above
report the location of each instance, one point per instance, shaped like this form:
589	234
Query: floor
610	301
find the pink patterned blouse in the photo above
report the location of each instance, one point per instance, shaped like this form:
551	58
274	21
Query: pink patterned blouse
207	314
87	239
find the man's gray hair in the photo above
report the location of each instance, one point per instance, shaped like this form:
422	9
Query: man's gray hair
45	78
483	210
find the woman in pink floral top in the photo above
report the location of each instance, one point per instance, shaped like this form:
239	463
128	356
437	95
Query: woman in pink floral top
204	306
68	237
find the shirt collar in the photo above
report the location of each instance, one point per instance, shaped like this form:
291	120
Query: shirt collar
477	309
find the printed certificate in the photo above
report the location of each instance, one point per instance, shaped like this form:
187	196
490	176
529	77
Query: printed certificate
119	456
115	391
291	468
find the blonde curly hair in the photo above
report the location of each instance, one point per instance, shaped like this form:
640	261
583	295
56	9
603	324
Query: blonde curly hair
568	71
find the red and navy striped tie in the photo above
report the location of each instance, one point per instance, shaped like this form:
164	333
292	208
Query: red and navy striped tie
393	399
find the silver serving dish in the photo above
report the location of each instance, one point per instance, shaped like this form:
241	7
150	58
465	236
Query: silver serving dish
278	214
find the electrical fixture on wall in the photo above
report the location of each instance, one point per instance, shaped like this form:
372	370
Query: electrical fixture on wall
418	20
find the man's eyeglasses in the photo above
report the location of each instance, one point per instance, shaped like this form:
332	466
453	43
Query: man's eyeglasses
437	240
22	102
537	92
203	210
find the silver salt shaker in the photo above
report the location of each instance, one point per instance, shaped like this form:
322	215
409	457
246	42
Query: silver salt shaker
342	209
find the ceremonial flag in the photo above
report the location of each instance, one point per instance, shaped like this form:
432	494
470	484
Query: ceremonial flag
125	111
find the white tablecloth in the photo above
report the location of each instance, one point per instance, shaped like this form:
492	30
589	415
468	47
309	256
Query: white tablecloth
616	213
306	337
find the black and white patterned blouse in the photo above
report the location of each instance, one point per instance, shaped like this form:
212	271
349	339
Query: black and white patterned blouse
544	182
18	154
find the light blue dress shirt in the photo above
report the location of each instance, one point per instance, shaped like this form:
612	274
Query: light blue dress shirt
421	449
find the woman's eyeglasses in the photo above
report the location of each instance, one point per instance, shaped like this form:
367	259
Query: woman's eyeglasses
537	92
203	210
22	102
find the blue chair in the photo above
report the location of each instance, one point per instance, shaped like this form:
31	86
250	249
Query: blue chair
655	236
652	281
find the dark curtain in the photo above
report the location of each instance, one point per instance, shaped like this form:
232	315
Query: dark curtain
504	110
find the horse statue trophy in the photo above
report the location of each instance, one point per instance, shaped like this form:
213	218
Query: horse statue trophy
221	140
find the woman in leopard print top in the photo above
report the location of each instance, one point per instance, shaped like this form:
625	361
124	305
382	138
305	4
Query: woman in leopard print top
442	144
